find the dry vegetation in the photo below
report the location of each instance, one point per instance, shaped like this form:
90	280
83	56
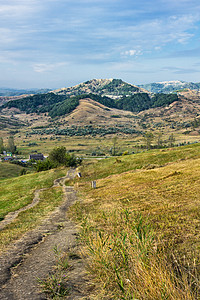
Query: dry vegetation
141	227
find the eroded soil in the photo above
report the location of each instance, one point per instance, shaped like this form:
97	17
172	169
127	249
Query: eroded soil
32	256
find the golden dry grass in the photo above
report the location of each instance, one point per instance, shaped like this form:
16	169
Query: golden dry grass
168	196
167	199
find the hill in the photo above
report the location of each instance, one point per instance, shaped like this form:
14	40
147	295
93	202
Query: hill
57	113
170	86
138	230
6	92
56	104
104	87
141	223
11	122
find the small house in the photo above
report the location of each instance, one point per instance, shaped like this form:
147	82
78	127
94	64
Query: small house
36	156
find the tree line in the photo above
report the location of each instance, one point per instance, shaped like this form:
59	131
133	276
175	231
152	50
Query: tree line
10	147
58	105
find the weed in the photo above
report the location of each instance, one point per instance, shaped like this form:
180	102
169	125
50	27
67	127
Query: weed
141	228
125	259
55	285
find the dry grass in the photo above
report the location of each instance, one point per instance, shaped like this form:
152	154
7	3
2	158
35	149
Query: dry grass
168	196
157	258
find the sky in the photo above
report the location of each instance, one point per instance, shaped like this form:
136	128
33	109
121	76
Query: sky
60	43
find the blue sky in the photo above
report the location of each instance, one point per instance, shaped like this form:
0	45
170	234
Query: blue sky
59	43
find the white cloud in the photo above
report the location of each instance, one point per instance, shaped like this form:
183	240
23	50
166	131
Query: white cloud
47	67
132	52
17	10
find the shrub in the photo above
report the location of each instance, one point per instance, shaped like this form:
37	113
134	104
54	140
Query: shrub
58	157
44	165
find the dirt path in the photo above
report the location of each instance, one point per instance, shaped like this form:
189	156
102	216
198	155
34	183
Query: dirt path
10	217
32	256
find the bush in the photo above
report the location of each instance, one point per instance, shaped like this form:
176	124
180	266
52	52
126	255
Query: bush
58	157
23	172
44	165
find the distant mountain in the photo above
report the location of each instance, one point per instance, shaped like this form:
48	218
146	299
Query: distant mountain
170	86
6	92
56	105
105	87
112	107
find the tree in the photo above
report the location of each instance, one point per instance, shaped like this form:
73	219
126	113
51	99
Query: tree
43	165
1	145
148	139
58	155
114	146
171	140
11	144
159	140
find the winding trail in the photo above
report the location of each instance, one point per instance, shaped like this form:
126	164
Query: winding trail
10	217
32	256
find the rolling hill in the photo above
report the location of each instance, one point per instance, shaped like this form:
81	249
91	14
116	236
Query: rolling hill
6	92
113	93
170	86
113	107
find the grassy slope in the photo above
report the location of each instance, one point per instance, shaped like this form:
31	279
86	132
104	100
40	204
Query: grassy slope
30	219
18	192
150	159
168	197
8	170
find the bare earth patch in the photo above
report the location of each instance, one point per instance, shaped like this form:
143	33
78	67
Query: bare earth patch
32	257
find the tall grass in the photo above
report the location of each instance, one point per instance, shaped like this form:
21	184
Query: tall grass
141	228
126	262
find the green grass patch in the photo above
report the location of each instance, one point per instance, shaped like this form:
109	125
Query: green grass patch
8	170
18	192
30	219
155	158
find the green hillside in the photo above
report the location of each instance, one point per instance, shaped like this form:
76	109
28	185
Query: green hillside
18	192
8	170
58	105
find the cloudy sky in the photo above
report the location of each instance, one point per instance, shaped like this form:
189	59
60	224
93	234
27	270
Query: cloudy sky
59	43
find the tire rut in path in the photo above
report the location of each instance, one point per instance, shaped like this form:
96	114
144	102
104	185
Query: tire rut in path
10	217
32	257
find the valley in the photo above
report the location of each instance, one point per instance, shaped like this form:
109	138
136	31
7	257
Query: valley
137	232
